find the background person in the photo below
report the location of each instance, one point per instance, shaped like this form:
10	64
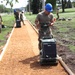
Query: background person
16	14
22	17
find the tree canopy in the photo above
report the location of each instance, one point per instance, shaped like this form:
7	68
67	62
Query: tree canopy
10	2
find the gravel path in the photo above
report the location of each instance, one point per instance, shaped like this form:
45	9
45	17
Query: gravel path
22	55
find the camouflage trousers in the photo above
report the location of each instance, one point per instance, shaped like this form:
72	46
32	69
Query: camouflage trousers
42	35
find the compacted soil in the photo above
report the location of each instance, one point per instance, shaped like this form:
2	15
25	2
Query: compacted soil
21	56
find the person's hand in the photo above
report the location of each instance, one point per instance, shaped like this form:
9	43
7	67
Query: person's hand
54	19
37	26
51	24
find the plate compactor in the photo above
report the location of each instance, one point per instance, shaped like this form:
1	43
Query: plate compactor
47	46
18	23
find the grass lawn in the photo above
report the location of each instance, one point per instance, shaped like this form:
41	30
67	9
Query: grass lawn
8	22
64	30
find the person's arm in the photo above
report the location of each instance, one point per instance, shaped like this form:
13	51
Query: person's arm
37	22
52	20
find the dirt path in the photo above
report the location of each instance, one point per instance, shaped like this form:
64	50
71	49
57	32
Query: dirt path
22	55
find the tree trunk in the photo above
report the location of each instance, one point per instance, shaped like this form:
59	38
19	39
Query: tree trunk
63	6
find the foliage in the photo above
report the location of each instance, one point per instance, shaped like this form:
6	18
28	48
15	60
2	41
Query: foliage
1	8
10	2
4	9
73	4
35	6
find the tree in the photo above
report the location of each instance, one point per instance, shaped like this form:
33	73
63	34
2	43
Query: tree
10	2
32	4
35	6
29	6
69	4
64	5
2	7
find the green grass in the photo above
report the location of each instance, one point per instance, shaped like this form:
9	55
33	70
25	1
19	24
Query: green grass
70	10
8	21
67	27
64	29
72	48
31	17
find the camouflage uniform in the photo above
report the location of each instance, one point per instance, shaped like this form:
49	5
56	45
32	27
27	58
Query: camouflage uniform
43	18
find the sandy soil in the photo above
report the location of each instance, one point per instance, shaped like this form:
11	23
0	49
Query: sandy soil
21	56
